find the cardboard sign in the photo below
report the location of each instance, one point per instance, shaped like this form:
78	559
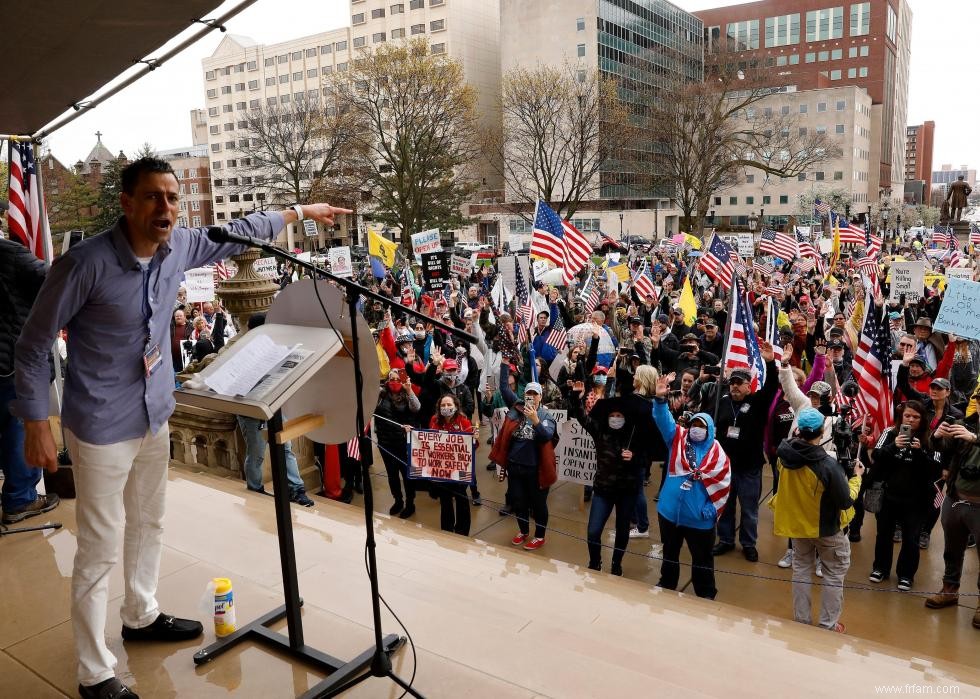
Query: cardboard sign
426	241
959	273
340	261
540	268
309	227
746	245
960	312
199	284
461	266
441	456
575	454
907	278
435	270
266	267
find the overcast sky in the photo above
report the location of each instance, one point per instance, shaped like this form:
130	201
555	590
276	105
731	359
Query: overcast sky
156	109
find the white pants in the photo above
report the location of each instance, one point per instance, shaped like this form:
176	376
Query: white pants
112	481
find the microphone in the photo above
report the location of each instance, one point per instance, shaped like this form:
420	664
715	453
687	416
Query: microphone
220	234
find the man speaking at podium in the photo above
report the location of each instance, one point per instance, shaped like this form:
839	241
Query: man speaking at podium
118	397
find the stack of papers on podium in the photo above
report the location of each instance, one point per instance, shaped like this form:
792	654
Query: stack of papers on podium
238	375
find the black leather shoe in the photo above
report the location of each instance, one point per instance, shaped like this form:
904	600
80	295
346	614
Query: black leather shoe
111	688
617	569
722	548
408	511
165	628
751	554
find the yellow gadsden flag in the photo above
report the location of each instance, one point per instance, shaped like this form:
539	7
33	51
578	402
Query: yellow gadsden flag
693	241
382	248
688	304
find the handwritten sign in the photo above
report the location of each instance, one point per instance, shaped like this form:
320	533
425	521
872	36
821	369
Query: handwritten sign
907	279
266	267
959	273
200	284
746	245
461	265
960	312
441	456
426	241
309	227
540	268
575	454
340	261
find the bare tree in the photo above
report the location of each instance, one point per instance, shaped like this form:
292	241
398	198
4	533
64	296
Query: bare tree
298	152
418	138
561	128
708	134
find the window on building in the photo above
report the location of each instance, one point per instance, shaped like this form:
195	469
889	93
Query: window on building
839	129
284	99
783	30
214	128
233	198
580	51
326	48
229	144
398	33
863	72
803	109
239	106
580	24
378	13
212	111
835	75
359	41
297	55
196	206
253	84
271	80
340	46
852	52
766	199
282	58
823	56
801	177
821	106
342	67
284	79
852	73
326	70
781	60
802	131
417	29
298	75
841	105
749	179
810	57
860	18
838	174
821	129
209	75
864	51
818	175
783	199
215	147
226	90
733	201
794	59
219	199
397	9
784	110
438	48
269	61
822	25
743	35
836	54
434	3
437	25
378	37
270	101
581	76
416	4
891	25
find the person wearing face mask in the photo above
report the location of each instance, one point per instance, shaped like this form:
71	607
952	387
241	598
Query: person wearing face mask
693	496
811	507
525	449
454	507
618	476
572	371
397	412
401	354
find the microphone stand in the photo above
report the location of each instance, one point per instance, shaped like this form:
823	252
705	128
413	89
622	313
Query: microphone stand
381	661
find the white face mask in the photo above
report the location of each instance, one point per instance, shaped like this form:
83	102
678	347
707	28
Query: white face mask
698	434
447	411
616	423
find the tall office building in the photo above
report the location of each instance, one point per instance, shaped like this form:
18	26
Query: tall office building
918	162
191	166
805	45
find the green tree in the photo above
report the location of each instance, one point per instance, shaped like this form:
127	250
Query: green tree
146	151
419	137
107	200
72	208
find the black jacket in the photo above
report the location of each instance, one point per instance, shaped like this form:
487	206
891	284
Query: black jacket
389	434
908	474
613	476
750	417
21	275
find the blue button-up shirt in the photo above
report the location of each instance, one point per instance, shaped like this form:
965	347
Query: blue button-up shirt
101	293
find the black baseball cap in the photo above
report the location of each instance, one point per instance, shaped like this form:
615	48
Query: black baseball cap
740	375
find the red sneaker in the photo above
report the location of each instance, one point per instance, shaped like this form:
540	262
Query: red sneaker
534	544
517	540
838	628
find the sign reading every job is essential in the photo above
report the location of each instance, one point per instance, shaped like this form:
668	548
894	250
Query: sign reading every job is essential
960	312
441	456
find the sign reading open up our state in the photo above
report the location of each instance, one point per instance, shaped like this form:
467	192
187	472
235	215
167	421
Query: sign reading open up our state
441	456
960	312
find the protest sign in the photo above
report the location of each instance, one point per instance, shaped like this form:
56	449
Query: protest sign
435	270
907	279
309	227
266	267
426	241
575	454
461	266
199	284
441	456
959	273
960	312
746	245
340	262
540	267
507	265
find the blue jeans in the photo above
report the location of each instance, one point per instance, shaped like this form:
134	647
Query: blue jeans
20	480
747	489
641	513
602	507
255	447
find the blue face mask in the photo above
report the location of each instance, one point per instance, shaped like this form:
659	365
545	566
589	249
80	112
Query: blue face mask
599	380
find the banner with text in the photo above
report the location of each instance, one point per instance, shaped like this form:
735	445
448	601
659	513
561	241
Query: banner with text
441	456
426	241
960	312
435	270
199	284
907	278
461	266
575	454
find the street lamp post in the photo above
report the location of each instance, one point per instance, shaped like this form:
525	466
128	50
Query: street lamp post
753	223
898	225
885	210
620	225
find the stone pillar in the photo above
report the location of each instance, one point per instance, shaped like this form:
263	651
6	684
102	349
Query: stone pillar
247	293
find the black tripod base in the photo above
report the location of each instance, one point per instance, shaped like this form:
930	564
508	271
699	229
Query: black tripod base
5	530
342	675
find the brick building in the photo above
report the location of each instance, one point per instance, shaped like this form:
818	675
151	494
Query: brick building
191	165
918	162
809	45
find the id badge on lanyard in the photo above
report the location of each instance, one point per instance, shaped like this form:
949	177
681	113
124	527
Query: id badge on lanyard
152	359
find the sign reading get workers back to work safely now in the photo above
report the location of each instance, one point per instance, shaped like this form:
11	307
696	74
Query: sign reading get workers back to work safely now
441	456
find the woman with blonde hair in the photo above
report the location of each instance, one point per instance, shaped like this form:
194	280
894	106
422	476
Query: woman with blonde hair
640	407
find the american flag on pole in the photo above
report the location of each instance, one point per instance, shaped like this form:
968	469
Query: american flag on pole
354	445
524	311
26	200
975	234
782	245
821	208
558	241
872	369
941	235
590	293
849	232
762	267
558	337
717	262
742	346
772	329
805	246
643	283
220	270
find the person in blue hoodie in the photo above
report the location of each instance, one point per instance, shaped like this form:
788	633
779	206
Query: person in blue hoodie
693	495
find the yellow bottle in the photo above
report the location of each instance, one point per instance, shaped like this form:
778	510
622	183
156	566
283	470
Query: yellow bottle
224	607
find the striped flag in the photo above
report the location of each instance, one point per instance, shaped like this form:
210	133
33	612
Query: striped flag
762	267
558	337
806	265
940	493
220	270
354	445
524	310
26	212
558	241
643	283
975	234
805	246
872	370
772	329
782	245
408	296
717	262
742	346
821	208
590	293
941	235
849	232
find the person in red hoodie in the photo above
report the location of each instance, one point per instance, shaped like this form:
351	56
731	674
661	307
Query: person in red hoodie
454	506
401	355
